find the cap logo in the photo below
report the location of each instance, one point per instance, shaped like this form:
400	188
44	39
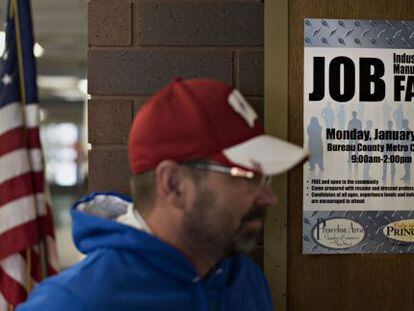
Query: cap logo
242	107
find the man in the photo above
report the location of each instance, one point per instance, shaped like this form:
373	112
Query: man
202	166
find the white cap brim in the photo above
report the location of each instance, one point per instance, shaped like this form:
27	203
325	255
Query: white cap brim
271	155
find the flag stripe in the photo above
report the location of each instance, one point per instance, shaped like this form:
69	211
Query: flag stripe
9	169
4	305
14	265
32	115
36	265
21	211
46	226
20	186
30	232
15	139
12	290
27	233
11	116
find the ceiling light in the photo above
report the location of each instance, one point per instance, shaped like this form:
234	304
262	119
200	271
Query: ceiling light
38	50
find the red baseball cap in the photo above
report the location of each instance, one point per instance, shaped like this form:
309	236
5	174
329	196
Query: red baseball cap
206	119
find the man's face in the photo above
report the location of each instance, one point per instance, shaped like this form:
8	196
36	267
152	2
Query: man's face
227	214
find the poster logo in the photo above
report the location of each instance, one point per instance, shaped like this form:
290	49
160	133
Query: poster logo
402	230
338	233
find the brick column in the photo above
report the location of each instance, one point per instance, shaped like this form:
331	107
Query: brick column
136	47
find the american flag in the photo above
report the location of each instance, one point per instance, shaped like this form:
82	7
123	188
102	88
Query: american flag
27	243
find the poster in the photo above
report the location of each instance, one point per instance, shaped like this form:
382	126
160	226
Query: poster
358	186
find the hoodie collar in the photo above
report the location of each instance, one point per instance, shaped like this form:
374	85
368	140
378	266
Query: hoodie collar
95	227
133	218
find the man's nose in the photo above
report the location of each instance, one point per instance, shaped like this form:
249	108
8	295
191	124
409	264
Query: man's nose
266	196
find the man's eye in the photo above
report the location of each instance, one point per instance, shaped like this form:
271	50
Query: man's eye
253	181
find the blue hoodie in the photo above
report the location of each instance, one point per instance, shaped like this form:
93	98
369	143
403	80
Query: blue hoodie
128	269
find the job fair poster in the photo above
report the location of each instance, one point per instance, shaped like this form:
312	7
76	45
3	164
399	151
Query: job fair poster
358	186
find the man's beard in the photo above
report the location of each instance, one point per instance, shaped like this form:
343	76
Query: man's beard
246	239
209	228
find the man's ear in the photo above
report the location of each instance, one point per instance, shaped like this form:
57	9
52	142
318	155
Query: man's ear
171	183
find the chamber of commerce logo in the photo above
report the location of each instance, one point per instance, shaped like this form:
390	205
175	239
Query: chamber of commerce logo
338	233
402	230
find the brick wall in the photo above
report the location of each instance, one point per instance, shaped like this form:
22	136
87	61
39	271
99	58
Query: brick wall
136	47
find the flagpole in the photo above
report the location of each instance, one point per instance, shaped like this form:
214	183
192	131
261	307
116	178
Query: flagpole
15	14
